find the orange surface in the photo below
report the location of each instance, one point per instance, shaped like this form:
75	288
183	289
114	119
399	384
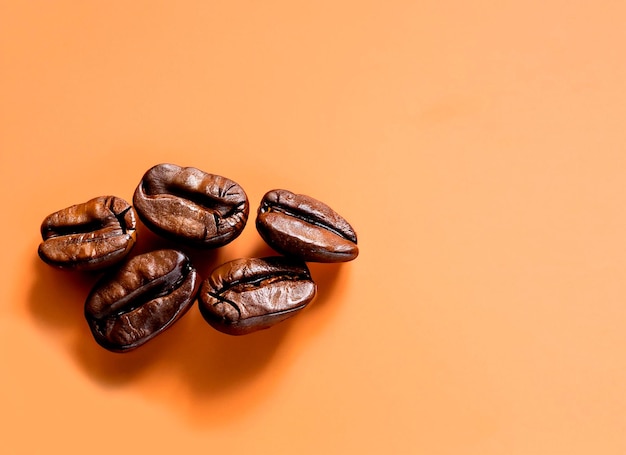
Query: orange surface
478	148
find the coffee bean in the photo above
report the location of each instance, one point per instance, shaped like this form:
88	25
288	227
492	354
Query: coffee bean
190	206
89	236
141	299
246	295
298	225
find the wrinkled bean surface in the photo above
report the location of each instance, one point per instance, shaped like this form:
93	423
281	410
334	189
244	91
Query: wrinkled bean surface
247	295
301	226
190	206
89	236
140	300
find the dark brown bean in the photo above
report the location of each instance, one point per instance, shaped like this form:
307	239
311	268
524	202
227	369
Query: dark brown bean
298	225
190	206
247	295
132	305
89	236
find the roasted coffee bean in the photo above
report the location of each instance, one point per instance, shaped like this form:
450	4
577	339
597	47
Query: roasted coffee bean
89	236
187	205
246	295
141	299
300	226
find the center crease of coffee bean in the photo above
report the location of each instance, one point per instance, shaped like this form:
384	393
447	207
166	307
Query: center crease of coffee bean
222	299
206	201
303	216
120	218
260	281
154	289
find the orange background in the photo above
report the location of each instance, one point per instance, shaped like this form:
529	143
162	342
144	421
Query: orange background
478	148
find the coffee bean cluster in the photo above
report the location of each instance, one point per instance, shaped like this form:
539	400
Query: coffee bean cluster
141	296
